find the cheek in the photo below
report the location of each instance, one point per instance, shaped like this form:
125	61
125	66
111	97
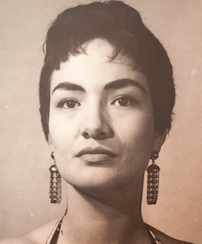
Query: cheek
137	138
138	127
62	131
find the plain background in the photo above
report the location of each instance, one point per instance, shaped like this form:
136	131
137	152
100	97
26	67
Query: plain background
25	156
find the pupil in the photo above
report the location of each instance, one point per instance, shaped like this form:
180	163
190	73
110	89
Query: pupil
123	101
70	104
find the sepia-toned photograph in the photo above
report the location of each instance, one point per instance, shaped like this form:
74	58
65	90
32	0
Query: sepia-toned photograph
100	122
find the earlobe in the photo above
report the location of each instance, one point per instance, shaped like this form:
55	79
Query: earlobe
159	139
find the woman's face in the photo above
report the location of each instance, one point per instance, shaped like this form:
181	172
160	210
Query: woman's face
101	119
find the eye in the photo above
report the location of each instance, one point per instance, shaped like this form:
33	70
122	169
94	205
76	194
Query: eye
68	104
124	101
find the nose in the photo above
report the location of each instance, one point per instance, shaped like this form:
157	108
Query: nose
96	125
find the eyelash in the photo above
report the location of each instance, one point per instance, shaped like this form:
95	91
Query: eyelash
70	104
123	101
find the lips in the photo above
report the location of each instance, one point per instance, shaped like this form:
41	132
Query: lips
97	154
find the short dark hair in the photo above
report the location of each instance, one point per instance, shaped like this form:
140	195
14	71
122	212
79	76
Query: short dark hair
122	26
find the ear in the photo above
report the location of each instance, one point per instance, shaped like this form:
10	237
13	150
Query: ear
159	139
50	142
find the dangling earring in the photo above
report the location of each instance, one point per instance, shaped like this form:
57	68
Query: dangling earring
55	183
153	180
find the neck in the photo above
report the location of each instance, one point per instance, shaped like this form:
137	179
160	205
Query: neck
114	218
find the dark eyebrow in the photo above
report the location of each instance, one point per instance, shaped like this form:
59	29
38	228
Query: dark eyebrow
117	84
68	86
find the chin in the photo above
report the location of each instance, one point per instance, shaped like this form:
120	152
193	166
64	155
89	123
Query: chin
102	182
93	183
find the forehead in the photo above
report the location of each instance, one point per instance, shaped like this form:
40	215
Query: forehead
95	64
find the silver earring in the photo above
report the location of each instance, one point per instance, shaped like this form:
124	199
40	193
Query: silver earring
55	183
153	180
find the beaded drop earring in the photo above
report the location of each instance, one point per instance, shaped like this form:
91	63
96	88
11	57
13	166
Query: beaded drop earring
153	180
55	183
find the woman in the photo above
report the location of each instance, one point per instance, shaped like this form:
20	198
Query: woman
106	95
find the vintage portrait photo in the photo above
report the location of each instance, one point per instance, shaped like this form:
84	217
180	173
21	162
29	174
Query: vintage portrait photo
100	122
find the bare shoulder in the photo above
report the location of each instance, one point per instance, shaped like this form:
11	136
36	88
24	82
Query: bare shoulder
38	236
165	239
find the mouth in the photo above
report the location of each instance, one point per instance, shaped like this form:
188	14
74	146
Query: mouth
97	154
